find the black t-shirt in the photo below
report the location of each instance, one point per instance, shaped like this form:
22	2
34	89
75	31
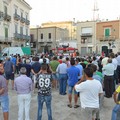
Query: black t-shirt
44	84
36	67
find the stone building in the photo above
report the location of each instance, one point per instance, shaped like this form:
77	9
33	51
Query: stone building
108	36
86	37
43	39
14	23
69	25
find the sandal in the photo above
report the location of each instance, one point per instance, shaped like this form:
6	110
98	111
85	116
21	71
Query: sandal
69	105
76	106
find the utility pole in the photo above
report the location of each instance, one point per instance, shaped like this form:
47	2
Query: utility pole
95	11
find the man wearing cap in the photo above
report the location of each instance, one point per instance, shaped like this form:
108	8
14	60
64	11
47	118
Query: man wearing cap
23	85
62	70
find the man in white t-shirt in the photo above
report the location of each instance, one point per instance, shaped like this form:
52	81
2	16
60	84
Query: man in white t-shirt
89	90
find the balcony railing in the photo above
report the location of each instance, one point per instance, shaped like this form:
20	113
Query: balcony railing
16	17
7	17
49	41
21	36
5	39
86	35
27	37
40	40
17	36
22	20
107	38
27	22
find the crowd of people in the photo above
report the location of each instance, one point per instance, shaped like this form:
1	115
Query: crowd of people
90	78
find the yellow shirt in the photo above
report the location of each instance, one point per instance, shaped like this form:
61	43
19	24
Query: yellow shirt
118	91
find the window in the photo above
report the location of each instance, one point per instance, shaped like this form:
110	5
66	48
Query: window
84	40
107	32
31	37
26	31
21	14
90	50
41	36
15	10
26	16
49	36
21	30
6	32
5	10
16	28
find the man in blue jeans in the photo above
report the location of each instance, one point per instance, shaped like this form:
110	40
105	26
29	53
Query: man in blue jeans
116	109
44	92
62	70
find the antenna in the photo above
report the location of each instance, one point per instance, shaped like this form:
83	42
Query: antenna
95	10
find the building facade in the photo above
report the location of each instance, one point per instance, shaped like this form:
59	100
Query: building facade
43	39
14	23
69	25
108	36
86	37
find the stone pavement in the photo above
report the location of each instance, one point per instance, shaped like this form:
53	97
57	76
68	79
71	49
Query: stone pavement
59	108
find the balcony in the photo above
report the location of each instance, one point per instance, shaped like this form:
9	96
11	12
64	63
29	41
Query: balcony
22	20
27	22
41	41
7	17
21	36
5	39
86	35
17	36
107	38
27	37
16	17
50	41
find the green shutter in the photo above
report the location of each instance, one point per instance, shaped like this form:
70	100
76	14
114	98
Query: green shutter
6	32
107	32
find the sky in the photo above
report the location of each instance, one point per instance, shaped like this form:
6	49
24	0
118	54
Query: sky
69	10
